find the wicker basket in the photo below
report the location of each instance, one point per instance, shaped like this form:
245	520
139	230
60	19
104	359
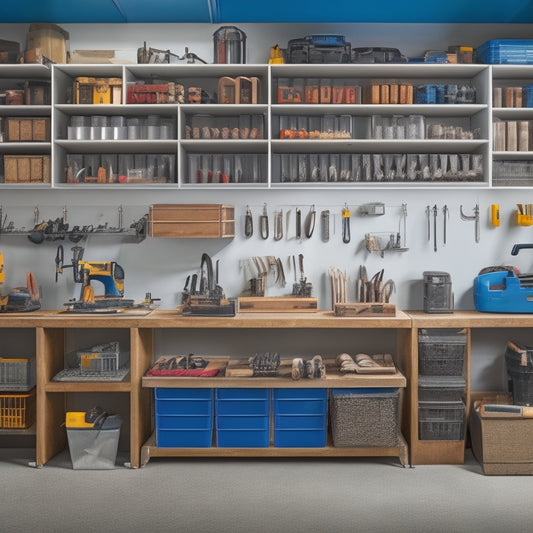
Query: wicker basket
364	417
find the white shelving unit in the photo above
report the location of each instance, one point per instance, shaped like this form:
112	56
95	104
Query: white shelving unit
478	117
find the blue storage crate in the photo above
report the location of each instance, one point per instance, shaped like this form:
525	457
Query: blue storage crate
252	423
184	438
242	402
506	51
300	417
243	438
180	401
242	418
184	417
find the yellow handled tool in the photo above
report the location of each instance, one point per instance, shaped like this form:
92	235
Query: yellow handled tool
495	214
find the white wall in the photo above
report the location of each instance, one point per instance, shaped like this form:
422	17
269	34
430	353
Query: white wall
161	265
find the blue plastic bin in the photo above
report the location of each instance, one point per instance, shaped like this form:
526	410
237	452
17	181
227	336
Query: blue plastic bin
506	51
242	418
300	418
184	417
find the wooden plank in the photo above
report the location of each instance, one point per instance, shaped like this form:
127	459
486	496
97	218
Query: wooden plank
276	304
365	309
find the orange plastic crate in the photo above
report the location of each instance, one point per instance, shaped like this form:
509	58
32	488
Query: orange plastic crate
17	411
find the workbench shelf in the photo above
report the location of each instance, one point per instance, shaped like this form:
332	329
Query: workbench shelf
49	334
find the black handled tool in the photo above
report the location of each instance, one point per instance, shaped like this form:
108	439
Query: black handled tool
248	223
298	223
345	224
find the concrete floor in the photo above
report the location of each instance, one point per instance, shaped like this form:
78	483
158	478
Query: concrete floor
260	495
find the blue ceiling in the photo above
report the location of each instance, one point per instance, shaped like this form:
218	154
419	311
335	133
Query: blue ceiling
235	11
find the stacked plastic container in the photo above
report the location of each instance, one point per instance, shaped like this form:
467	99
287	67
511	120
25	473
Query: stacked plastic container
441	384
300	418
184	417
242	418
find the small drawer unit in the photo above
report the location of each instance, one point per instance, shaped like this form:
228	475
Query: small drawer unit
441	420
441	351
184	417
364	417
300	417
242	418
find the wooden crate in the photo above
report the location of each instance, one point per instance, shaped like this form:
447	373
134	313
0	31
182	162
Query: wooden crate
27	168
277	304
192	220
28	129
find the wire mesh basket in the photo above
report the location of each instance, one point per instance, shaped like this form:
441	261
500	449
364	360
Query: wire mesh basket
17	374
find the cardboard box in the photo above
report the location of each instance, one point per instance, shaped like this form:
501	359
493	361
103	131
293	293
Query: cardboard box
24	169
28	129
502	445
52	40
192	220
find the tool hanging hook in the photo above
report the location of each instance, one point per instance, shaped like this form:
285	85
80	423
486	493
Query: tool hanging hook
474	217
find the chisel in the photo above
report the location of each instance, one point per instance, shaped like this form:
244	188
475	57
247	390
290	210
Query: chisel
504	410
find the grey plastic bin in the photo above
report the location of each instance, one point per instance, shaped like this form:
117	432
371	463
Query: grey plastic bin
93	449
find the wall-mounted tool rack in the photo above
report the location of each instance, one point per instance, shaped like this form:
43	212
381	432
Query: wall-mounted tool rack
59	228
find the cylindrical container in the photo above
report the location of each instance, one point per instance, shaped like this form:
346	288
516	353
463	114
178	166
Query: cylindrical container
206	168
312	91
329	126
194	172
245	123
218	168
110	163
314	127
303	168
302	125
334	167
323	160
134	128
258	127
345	126
416	127
345	168
238	168
229	45
153	124
325	91
227	176
314	167
166	129
400	126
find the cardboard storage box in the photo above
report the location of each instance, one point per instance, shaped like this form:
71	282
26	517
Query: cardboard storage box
502	445
29	168
28	129
192	220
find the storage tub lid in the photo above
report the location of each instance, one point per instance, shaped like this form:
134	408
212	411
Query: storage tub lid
441	382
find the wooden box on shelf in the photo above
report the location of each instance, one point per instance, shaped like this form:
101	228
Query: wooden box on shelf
192	220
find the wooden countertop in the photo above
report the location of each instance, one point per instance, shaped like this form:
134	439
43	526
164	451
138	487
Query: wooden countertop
471	319
321	319
172	319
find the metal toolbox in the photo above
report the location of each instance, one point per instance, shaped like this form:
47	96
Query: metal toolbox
192	220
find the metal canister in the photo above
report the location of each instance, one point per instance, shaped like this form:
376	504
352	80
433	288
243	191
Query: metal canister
229	45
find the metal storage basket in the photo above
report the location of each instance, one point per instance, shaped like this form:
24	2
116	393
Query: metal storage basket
17	374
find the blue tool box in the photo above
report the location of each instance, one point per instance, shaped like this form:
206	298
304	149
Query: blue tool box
501	292
506	51
300	417
183	417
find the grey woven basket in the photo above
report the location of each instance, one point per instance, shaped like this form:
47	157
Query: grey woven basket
365	419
